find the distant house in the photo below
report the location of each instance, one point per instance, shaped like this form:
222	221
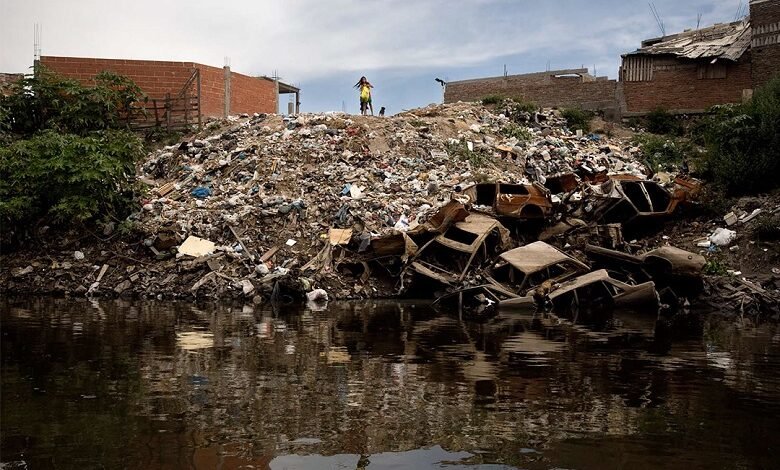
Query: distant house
555	88
696	69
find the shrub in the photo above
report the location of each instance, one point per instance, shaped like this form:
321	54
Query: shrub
660	121
521	105
664	153
768	227
48	101
743	143
68	177
492	100
715	267
65	157
577	119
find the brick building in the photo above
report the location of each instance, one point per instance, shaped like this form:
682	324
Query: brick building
691	71
220	91
765	42
557	88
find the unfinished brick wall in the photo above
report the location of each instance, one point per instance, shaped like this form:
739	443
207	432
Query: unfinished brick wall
765	45
252	95
156	78
676	86
212	90
544	89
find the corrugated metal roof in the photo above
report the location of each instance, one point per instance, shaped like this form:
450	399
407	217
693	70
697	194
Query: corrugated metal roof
721	41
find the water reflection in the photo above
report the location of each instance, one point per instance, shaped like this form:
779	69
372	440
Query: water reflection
376	385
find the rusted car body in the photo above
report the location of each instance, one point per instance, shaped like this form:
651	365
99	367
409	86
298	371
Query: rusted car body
667	266
593	291
525	268
628	200
516	273
522	201
448	257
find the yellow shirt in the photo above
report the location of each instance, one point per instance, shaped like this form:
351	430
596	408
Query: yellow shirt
365	92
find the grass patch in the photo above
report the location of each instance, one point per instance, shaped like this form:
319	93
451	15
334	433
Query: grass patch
715	267
477	157
521	133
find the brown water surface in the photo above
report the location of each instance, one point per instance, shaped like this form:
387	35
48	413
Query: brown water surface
377	386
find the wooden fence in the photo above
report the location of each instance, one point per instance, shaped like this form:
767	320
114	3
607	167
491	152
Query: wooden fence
172	113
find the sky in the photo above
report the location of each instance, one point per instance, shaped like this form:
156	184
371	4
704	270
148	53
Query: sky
324	46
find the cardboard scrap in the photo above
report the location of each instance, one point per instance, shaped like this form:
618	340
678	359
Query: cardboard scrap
340	236
195	246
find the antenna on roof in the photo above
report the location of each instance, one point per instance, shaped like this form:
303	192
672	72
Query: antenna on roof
657	17
698	21
741	11
38	33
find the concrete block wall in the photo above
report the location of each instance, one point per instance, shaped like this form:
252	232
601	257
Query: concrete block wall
156	78
678	88
544	89
765	47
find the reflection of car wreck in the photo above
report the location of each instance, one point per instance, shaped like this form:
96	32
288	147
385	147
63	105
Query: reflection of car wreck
631	201
520	201
671	267
447	258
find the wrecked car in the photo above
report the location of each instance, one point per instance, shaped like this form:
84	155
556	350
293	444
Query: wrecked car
628	200
447	258
525	268
590	292
593	291
522	201
668	266
516	273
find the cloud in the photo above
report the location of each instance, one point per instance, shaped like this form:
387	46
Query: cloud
315	41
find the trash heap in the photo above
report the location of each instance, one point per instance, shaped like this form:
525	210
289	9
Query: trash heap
244	208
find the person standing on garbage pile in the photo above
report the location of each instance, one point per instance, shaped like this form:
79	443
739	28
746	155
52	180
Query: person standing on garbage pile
365	95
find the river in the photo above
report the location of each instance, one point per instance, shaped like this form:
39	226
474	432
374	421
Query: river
381	385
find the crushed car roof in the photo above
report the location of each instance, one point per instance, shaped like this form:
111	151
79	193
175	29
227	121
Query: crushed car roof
478	224
533	257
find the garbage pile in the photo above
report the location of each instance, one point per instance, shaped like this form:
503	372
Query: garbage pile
275	206
323	206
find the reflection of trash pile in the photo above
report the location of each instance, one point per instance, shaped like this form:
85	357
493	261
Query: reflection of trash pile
421	203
